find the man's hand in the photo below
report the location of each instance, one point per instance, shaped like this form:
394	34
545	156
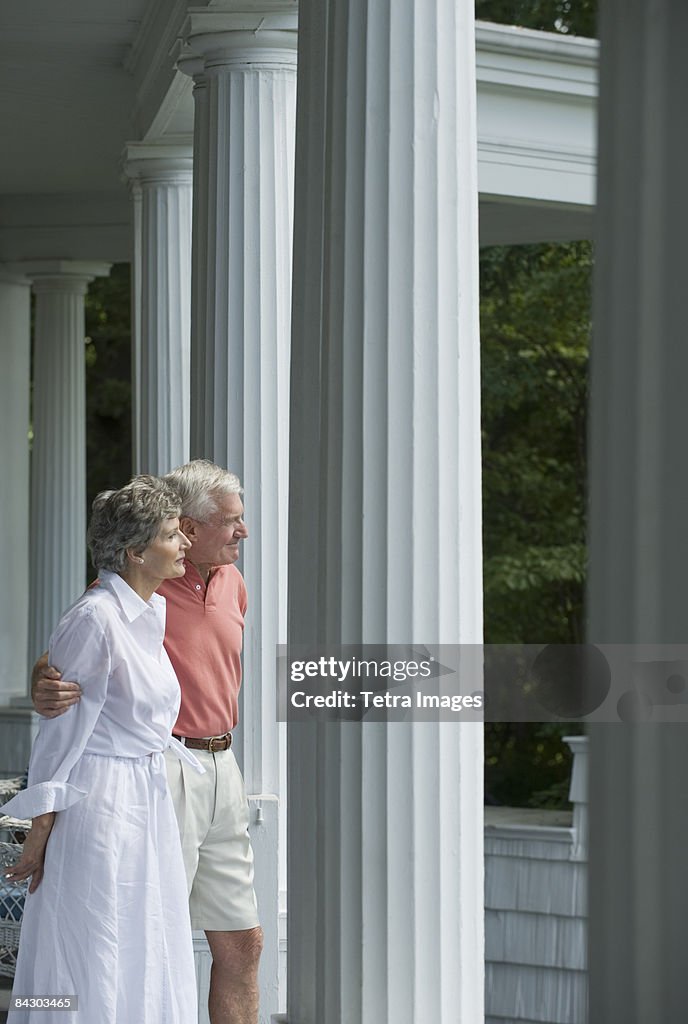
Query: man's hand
33	854
51	695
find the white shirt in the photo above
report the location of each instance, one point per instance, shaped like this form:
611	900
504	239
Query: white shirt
110	642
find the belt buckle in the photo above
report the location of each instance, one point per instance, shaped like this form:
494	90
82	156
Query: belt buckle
217	739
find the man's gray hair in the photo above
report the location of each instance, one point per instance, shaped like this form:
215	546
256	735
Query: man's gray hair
200	484
129	518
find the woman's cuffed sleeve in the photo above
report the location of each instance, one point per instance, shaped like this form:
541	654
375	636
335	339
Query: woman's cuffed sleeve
41	799
79	649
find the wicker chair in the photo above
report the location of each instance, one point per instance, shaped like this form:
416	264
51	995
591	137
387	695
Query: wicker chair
12	895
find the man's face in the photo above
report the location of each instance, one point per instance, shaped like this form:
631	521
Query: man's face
216	542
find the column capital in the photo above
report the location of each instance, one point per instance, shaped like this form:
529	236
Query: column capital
153	163
61	275
255	33
10	274
189	62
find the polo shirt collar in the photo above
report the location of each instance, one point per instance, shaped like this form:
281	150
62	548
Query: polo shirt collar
192	576
129	601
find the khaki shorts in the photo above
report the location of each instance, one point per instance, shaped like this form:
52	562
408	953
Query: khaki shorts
212	813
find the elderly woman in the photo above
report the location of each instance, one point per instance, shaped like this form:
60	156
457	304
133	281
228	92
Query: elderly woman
107	916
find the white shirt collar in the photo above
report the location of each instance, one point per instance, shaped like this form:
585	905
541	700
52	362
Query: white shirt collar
131	604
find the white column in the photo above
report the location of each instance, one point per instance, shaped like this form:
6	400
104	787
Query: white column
15	357
639	508
57	564
162	185
136	290
243	182
385	821
245	106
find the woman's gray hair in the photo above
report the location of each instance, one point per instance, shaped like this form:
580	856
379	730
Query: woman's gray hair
200	484
129	518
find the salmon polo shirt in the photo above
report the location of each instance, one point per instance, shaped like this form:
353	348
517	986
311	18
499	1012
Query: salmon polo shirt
203	637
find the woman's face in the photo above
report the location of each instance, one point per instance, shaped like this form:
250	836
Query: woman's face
163	559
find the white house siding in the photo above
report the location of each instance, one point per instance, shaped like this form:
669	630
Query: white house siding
535	919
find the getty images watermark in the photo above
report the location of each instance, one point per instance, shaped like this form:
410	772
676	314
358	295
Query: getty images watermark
483	683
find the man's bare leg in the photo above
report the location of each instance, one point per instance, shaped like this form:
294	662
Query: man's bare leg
234	976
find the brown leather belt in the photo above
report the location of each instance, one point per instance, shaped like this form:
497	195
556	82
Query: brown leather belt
211	743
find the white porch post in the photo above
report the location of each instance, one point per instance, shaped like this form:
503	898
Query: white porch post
639	508
161	179
244	67
136	289
385	821
57	563
15	357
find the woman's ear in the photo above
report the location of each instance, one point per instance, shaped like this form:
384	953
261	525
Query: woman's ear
133	556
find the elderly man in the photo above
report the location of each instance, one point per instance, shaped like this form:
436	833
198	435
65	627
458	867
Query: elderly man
203	637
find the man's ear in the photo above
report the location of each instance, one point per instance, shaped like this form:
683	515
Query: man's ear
189	528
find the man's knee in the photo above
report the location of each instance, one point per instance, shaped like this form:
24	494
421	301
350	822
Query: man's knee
236	953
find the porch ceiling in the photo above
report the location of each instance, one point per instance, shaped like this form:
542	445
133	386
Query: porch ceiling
80	78
65	96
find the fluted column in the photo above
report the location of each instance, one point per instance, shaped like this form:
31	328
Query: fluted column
385	827
245	94
136	288
244	69
639	508
57	564
161	180
15	356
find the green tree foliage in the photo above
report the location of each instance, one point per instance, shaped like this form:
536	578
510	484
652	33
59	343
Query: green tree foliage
527	764
535	327
574	17
108	382
535	319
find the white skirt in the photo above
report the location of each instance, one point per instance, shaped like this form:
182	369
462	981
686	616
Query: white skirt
109	922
